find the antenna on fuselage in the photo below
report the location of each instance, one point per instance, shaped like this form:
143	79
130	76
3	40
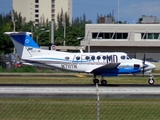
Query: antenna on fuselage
81	51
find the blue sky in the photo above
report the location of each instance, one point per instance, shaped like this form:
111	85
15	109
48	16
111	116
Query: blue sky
129	10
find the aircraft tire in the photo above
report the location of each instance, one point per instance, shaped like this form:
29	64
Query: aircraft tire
95	81
151	81
104	82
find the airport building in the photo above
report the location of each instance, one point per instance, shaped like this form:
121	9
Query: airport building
134	39
39	10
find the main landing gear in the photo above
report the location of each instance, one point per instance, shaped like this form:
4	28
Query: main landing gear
151	80
103	81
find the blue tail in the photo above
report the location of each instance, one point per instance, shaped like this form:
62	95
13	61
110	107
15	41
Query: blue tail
23	42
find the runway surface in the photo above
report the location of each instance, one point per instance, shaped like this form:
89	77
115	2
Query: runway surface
75	90
83	91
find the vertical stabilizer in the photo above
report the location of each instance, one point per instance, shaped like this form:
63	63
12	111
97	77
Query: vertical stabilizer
23	42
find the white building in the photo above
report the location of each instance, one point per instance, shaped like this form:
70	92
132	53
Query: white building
129	38
39	10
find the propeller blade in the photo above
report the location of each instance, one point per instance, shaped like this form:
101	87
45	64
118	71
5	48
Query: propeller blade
144	59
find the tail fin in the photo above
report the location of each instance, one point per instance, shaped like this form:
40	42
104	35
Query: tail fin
23	42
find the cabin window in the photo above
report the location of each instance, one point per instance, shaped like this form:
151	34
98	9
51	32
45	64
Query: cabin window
67	58
77	58
98	57
93	57
87	57
123	57
104	57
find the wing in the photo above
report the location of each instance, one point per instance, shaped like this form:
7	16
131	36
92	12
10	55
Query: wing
110	66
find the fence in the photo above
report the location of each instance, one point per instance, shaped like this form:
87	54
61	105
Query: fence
9	60
79	108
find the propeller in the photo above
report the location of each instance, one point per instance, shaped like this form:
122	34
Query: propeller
144	59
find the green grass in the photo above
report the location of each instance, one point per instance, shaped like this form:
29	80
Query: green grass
72	80
79	109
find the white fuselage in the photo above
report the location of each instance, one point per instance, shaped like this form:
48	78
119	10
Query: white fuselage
80	62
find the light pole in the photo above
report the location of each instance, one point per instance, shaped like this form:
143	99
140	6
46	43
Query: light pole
13	21
42	29
40	34
64	42
14	27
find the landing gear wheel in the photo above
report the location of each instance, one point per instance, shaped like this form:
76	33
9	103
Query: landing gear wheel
151	81
103	82
95	81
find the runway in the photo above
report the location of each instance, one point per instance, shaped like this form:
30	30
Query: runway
81	91
75	90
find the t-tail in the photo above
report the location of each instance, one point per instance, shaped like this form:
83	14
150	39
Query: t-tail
23	43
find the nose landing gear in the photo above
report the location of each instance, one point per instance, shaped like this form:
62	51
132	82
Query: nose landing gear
151	80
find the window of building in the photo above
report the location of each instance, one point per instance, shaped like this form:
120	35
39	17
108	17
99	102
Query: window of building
36	11
149	35
101	36
36	6
125	35
36	20
120	36
36	1
156	35
94	35
109	35
36	15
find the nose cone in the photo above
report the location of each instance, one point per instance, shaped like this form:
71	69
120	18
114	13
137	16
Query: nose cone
153	66
150	65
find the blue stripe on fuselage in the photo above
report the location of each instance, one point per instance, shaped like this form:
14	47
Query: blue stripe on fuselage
117	71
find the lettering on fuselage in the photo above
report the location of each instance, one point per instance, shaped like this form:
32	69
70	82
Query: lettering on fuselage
69	66
98	59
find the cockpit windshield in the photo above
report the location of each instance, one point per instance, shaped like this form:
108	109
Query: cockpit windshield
128	58
124	57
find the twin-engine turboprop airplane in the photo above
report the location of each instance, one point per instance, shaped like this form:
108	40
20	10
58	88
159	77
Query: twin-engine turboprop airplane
99	63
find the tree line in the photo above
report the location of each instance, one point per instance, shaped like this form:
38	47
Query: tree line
73	30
